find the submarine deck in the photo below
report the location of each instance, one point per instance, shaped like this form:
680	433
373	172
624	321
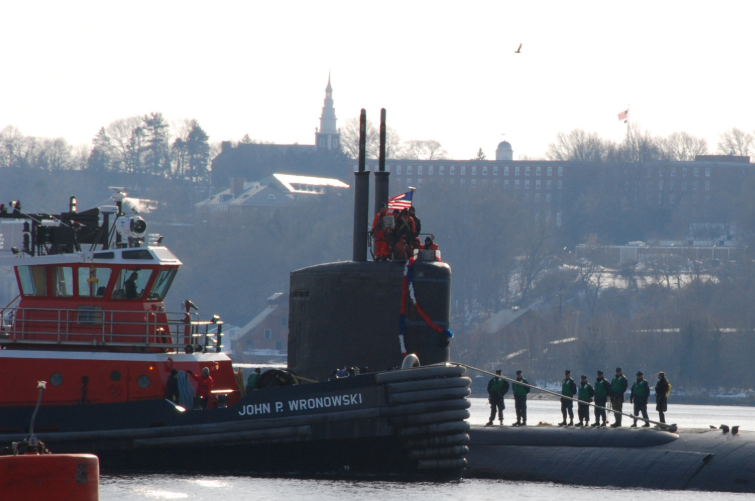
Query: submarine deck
699	459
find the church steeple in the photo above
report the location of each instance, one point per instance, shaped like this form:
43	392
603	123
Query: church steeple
327	137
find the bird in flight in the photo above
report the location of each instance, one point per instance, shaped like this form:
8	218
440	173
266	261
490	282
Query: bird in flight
519	50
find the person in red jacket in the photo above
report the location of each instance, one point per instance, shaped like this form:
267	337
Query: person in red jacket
402	250
205	385
429	244
381	231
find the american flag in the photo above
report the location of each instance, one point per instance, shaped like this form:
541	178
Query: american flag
403	201
624	115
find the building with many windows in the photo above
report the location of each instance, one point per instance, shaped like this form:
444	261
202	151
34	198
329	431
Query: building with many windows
696	192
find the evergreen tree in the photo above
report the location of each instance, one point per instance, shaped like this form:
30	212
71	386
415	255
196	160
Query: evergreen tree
156	151
100	158
198	152
179	156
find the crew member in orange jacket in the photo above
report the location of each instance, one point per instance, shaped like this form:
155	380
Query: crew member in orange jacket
205	385
381	234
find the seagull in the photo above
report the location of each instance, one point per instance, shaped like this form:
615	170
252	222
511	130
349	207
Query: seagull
519	50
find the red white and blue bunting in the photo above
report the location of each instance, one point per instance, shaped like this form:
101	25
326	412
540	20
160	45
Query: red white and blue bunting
408	290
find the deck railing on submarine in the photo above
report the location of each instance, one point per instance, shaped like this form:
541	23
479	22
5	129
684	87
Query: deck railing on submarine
91	327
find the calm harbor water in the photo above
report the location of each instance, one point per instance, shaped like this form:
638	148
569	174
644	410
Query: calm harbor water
240	488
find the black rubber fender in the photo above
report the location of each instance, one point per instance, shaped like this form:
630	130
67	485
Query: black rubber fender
432	417
419	373
430	442
424	407
429	384
435	429
441	464
455	451
428	395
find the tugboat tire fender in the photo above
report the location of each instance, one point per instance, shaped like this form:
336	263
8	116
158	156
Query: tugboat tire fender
440	452
458	439
435	429
424	396
429	384
441	464
424	407
435	417
419	373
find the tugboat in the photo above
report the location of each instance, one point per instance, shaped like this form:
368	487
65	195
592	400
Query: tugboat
91	320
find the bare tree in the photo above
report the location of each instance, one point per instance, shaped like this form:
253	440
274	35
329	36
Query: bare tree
79	157
54	154
393	146
11	144
425	150
537	242
120	133
640	146
350	139
580	146
736	142
591	274
683	147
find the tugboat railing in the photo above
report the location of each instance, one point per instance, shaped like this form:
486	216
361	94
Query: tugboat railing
108	328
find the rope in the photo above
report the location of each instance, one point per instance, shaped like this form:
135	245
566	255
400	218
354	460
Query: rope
663	426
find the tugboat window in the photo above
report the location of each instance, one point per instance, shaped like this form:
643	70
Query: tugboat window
56	379
62	280
130	283
93	281
33	280
162	284
143	381
115	376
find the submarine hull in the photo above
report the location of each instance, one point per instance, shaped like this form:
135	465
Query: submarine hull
347	314
706	460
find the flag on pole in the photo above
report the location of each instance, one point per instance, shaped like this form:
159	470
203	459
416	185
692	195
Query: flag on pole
403	201
624	115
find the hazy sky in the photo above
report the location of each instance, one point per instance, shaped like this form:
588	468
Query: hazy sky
444	70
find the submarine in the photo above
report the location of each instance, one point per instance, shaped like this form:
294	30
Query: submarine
660	458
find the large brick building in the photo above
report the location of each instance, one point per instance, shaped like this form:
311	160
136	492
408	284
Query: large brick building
698	193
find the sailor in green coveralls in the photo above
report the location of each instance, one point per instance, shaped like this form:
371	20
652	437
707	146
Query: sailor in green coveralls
618	388
520	399
639	396
585	392
568	389
602	392
497	388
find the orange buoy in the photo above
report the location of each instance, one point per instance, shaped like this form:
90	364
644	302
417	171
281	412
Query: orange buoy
52	477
